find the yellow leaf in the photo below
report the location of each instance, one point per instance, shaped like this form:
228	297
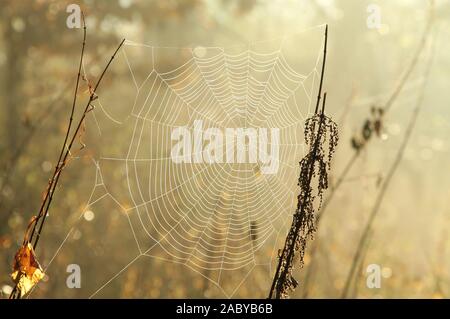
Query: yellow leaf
26	270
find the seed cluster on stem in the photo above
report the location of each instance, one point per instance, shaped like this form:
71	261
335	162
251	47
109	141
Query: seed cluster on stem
321	135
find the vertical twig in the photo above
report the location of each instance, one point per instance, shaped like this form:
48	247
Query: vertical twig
87	108
319	94
53	179
40	219
352	160
59	164
303	220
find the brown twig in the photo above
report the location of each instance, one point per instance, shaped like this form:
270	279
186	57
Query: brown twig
65	151
14	160
59	165
87	109
53	180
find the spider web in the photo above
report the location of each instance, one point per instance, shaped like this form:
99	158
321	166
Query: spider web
219	220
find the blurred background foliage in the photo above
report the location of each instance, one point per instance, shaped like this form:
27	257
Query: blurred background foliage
38	60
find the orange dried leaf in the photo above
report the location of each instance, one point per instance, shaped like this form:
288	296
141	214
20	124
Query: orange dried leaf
26	270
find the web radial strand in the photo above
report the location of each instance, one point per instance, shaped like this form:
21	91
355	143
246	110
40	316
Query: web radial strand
215	218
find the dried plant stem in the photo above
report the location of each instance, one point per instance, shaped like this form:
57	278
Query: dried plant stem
348	105
54	179
69	140
387	181
303	224
322	72
289	250
359	269
63	162
413	63
45	114
59	165
352	160
315	245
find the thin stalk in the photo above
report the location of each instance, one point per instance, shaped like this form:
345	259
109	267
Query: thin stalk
359	269
386	183
65	151
277	275
72	112
15	293
351	162
319	94
279	278
80	123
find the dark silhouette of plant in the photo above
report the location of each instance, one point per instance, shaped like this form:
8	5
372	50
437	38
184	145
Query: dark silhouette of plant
321	135
373	123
